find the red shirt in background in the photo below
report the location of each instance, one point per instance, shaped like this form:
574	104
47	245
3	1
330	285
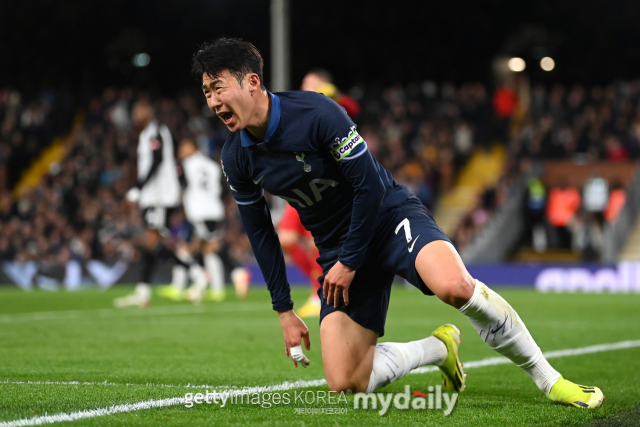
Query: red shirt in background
350	105
505	101
616	202
562	205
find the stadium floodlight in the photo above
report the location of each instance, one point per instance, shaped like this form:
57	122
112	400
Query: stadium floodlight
547	63
141	59
517	64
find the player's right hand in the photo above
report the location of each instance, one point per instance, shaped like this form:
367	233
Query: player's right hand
336	284
294	332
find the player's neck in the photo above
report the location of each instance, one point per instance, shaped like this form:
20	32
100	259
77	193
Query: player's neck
260	116
143	125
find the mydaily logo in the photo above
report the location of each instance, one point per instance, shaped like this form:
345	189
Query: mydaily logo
419	401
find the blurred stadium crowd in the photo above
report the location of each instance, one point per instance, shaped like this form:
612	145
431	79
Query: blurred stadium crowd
423	133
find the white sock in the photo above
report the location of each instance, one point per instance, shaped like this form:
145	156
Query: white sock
198	277
184	256
179	277
215	268
143	291
394	360
501	328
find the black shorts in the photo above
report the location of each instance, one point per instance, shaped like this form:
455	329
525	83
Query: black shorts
399	236
158	218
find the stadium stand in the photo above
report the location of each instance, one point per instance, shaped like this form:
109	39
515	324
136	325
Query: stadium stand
427	135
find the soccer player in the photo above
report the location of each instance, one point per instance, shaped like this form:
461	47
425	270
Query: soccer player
319	80
367	228
157	193
200	178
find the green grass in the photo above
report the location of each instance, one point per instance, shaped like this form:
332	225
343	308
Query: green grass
78	337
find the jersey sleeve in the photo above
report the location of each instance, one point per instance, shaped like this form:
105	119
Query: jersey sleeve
256	219
338	135
243	190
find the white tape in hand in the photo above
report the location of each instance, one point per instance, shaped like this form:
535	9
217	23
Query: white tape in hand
298	356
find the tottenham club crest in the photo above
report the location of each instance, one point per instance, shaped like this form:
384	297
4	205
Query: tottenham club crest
300	158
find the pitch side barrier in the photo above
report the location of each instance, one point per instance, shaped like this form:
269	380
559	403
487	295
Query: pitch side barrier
615	278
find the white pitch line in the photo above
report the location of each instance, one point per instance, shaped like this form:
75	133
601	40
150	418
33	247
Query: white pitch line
132	312
91	413
107	383
148	404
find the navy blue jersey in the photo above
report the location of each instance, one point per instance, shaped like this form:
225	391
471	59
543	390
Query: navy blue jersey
313	157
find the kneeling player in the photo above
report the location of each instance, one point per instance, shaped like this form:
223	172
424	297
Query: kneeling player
367	228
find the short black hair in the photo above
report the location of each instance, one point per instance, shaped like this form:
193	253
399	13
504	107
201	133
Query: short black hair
235	55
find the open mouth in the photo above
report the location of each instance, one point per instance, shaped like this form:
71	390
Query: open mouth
226	117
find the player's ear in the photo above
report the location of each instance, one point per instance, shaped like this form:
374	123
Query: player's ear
254	82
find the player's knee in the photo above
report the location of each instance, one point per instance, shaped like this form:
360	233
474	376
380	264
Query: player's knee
341	384
458	290
347	382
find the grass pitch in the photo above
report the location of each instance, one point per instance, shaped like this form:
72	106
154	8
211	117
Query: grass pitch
71	352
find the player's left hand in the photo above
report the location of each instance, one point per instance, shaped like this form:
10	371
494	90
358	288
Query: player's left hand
336	282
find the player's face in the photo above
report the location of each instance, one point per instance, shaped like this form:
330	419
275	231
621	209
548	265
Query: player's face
186	149
142	114
312	82
231	102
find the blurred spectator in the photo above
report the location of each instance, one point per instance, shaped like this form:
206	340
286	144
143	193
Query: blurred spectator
616	201
596	124
505	102
587	237
412	176
423	133
534	209
26	127
562	205
595	195
319	80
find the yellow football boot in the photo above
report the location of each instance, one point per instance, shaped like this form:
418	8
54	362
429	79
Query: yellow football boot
215	296
580	396
311	308
452	374
169	292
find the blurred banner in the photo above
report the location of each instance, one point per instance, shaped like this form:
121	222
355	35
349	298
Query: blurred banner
72	276
623	277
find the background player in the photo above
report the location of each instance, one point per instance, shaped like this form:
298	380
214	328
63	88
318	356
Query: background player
321	81
367	227
295	240
202	199
157	193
